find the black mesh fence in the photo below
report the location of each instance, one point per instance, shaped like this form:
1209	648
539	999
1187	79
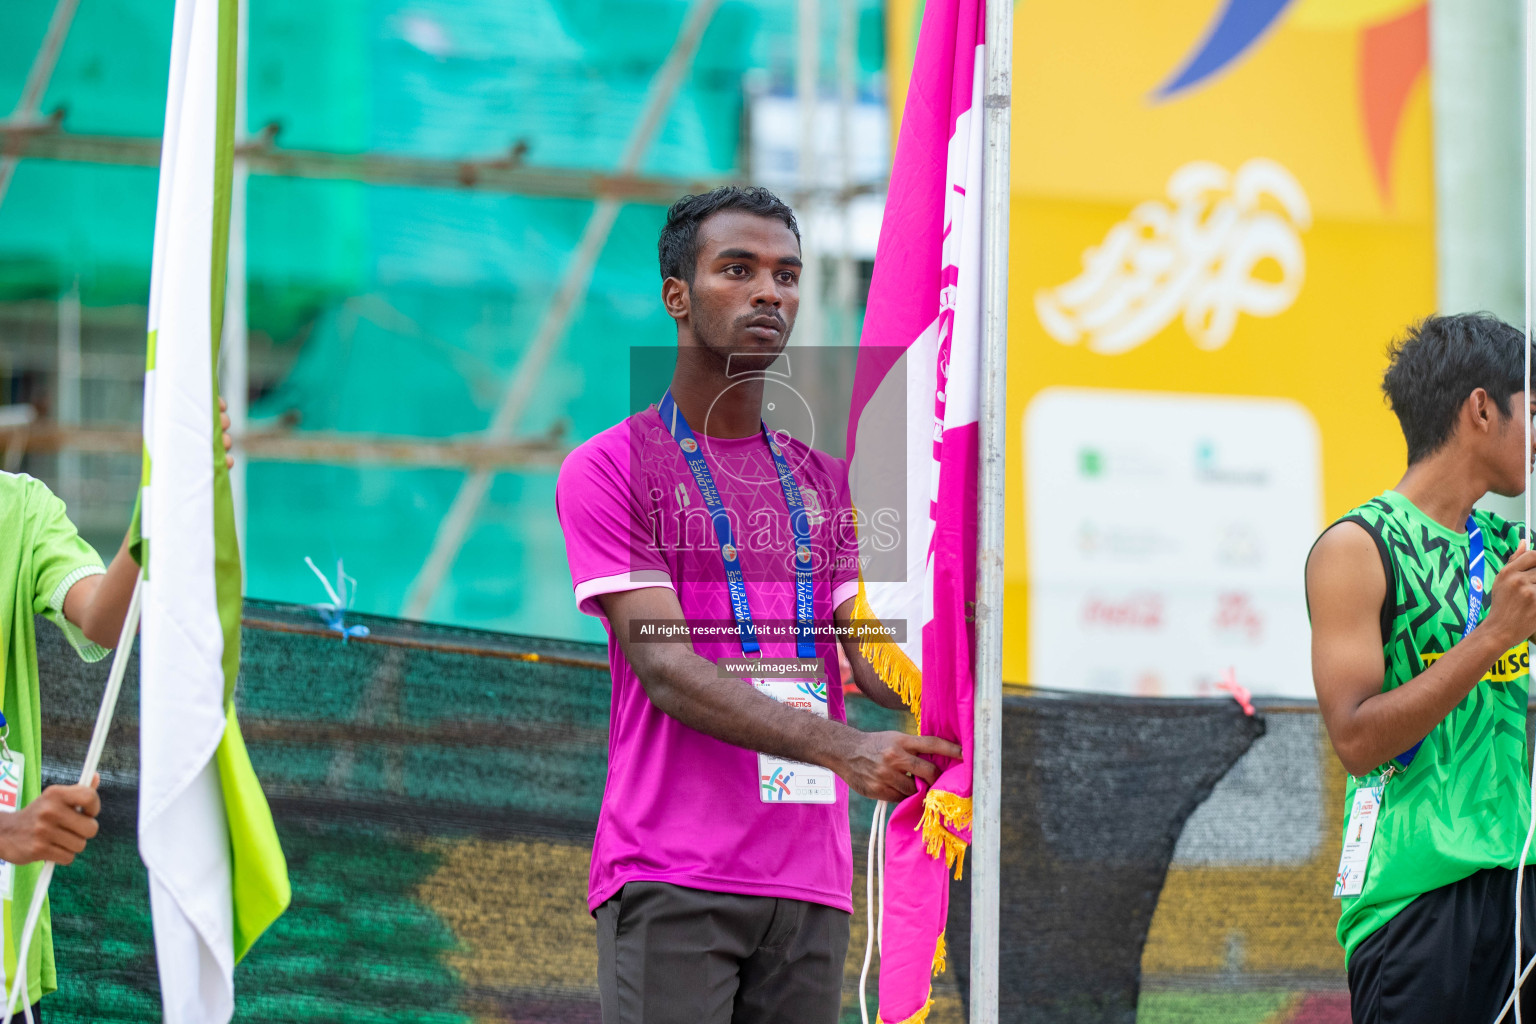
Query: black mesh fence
1166	862
436	790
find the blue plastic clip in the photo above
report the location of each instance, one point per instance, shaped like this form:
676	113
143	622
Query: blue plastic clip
334	613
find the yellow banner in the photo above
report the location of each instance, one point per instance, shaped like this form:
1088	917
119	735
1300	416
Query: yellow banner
1222	213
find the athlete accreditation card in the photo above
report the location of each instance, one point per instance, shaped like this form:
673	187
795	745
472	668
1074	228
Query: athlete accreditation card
10	803
782	781
1358	835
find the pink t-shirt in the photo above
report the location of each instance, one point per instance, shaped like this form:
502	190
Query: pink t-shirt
680	806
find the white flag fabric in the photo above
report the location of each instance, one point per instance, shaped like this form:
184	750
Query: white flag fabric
216	876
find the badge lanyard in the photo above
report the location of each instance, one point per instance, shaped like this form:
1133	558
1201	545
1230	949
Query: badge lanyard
1474	608
5	734
799	523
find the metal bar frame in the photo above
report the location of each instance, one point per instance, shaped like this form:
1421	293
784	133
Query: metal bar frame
46	139
473	453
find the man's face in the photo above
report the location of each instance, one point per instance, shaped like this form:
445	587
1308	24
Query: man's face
746	289
1513	457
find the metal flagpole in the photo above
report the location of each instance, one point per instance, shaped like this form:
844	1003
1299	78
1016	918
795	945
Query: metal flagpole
234	347
986	836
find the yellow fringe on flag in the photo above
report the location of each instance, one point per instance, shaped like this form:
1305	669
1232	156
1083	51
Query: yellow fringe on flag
956	809
941	811
940	957
891	663
917	1018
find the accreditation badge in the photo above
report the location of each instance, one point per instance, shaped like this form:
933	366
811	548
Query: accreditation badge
781	781
1359	833
11	770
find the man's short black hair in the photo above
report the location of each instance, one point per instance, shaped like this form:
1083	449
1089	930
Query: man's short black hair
1439	362
678	248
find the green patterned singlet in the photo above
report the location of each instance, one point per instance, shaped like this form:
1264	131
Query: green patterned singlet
1461	805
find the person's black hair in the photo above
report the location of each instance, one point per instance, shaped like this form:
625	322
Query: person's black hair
678	247
1439	362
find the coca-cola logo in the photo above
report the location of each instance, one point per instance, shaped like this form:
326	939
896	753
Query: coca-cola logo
1137	611
1236	613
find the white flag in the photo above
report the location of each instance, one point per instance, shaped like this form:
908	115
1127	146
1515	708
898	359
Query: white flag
216	872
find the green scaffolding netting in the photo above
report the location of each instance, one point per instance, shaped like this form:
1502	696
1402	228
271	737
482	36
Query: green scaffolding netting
405	311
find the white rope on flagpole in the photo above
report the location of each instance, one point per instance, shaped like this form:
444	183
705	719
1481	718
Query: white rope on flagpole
885	824
875	857
92	760
1518	982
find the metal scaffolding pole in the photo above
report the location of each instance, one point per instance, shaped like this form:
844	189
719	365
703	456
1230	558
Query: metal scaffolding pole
997	98
44	139
38	77
1475	93
454	528
847	95
808	323
20	432
67	407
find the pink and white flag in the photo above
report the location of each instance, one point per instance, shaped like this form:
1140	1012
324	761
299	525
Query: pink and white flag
917	391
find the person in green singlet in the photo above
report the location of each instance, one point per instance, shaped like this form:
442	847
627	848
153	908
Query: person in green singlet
1421	610
45	569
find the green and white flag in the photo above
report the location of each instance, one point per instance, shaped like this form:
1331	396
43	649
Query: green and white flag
217	877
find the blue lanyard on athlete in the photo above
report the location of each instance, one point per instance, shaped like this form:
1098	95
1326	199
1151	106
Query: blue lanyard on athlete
799	524
1474	605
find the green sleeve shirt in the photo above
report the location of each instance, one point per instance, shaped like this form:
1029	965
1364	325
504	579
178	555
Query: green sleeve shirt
41	558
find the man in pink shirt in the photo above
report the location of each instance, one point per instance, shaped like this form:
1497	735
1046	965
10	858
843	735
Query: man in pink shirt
717	555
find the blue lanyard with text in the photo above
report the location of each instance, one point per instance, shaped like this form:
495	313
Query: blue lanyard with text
799	524
1474	605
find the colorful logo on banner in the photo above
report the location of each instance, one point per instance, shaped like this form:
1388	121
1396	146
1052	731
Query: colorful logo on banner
1394	53
1194	257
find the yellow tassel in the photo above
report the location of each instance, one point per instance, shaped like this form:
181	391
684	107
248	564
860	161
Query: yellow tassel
955	808
890	662
940	957
942	810
917	1018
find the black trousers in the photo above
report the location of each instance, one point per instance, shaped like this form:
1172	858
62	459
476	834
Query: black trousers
1449	956
671	955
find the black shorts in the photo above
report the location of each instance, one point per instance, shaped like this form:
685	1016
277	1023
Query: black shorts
671	955
1449	956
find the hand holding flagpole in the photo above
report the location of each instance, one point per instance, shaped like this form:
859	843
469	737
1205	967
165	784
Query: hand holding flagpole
87	771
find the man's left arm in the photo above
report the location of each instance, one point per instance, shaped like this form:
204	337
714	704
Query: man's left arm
864	673
98	604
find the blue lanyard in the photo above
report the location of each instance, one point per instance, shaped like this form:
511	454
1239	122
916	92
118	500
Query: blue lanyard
799	524
1474	604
